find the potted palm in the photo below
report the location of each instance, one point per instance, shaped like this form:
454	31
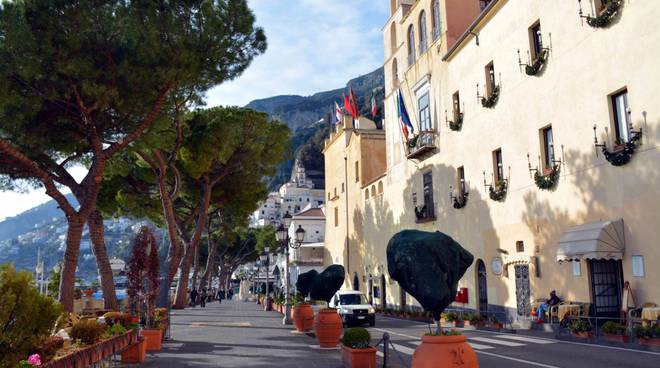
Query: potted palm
615	332
581	329
327	322
355	349
302	313
428	265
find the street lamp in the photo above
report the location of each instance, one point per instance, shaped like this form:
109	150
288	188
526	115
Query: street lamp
265	259
282	236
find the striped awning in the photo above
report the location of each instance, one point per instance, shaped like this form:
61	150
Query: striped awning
596	240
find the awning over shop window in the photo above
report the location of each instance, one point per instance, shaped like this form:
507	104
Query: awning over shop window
597	240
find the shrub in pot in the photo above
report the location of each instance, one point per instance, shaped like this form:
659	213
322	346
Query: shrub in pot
647	334
477	320
615	332
302	313
428	265
581	328
355	349
88	331
495	323
327	322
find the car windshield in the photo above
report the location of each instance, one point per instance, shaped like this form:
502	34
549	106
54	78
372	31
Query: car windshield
353	299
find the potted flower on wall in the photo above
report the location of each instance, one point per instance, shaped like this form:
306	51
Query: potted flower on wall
428	266
495	323
302	313
327	322
355	349
581	329
647	334
615	332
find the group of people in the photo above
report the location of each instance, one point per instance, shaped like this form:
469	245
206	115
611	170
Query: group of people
205	296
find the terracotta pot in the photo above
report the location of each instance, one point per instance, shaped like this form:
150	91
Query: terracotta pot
327	327
444	351
303	317
649	342
358	358
457	323
616	338
136	353
497	325
154	338
583	335
88	292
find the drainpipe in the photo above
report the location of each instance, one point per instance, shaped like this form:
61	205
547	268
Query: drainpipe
348	249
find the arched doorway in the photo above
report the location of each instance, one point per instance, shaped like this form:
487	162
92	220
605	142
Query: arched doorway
383	292
356	282
482	287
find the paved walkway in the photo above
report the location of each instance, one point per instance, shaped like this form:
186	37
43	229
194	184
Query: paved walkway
237	334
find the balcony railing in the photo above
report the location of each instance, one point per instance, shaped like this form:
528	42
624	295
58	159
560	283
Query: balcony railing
307	261
425	213
422	145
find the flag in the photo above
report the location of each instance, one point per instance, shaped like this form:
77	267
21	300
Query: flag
404	119
347	105
338	114
374	108
353	100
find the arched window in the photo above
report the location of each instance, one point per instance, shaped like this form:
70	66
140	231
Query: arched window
437	21
395	73
380	187
422	32
373	190
393	37
411	45
366	194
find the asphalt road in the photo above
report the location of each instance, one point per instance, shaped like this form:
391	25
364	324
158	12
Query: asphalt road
515	350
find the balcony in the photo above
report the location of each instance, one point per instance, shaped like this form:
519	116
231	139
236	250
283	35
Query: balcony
422	146
425	213
307	261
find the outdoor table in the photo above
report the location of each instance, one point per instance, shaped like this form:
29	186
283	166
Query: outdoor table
568	309
651	313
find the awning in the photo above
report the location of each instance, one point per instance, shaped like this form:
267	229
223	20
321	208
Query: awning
597	240
312	245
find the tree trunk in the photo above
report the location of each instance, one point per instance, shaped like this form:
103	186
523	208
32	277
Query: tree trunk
210	265
96	233
186	263
195	268
174	253
68	276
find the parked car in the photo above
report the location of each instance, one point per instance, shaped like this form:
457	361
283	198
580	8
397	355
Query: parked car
354	308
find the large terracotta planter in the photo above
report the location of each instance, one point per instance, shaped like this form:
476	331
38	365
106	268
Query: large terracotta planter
616	338
583	335
444	351
327	327
358	358
303	317
136	353
154	338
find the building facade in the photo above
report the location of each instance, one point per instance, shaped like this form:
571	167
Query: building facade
309	255
535	146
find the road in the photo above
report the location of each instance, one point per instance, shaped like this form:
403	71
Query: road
515	350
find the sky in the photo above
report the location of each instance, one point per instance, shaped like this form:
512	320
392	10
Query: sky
313	46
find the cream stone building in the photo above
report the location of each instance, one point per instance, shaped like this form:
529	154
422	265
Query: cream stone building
506	95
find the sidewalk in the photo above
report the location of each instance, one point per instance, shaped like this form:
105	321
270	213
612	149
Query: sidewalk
237	334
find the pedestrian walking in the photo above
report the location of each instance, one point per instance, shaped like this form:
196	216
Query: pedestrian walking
202	298
219	296
193	297
231	294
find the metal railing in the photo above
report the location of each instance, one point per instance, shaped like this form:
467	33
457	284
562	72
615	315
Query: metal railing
596	334
425	213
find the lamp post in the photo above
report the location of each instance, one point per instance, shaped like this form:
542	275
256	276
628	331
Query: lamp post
282	236
265	259
257	286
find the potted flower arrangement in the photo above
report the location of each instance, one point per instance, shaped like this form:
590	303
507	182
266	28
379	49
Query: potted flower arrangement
581	328
302	313
428	266
327	322
355	349
477	320
647	334
33	361
495	323
452	317
145	265
615	332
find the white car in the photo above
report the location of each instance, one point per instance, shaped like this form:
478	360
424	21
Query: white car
354	308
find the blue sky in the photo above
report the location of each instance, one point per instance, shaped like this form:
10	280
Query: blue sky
313	45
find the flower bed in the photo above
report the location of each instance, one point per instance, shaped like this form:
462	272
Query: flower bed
94	353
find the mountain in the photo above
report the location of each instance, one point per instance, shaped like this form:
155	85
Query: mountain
303	114
12	227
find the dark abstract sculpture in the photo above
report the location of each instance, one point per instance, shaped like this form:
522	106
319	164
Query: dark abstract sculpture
428	266
325	285
304	282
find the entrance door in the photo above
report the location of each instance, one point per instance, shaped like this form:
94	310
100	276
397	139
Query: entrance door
383	292
606	286
522	290
482	287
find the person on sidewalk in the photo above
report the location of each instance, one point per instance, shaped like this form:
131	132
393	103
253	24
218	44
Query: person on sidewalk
202	298
193	297
219	296
543	308
231	293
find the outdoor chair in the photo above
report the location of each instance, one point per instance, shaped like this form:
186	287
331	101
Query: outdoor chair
554	311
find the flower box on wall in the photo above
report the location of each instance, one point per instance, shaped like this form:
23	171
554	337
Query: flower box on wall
649	341
93	354
616	337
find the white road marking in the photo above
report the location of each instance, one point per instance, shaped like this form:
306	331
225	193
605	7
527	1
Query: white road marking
526	339
403	349
479	346
516	359
494	341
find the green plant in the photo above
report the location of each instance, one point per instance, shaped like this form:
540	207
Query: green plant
580	325
87	331
412	142
48	347
614	328
477	318
116	330
467	316
497	192
451	332
647	332
612	8
112	318
451	317
547	181
25	315
491	100
458	124
493	319
356	338
538	63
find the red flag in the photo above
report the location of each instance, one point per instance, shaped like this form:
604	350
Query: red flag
353	100
347	105
374	107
